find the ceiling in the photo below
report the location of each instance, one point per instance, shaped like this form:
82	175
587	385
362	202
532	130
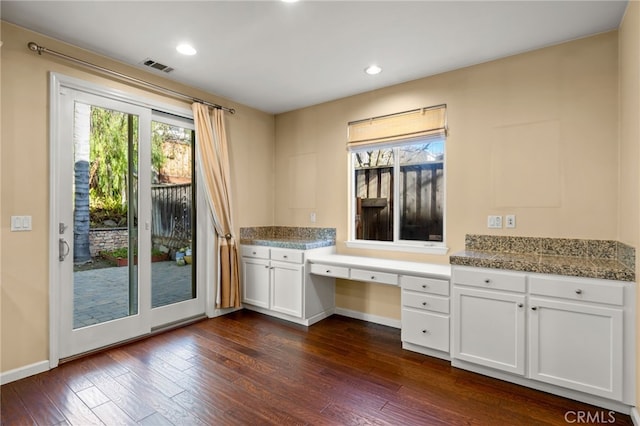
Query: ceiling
277	56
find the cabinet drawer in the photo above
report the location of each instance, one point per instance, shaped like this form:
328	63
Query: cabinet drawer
258	252
426	285
588	290
329	270
374	276
490	279
425	329
426	302
287	255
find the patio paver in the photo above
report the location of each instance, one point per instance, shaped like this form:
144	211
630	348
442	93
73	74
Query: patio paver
102	294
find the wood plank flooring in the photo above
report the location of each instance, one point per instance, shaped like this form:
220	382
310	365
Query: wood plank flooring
249	369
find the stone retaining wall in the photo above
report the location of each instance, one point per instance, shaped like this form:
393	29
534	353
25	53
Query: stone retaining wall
105	239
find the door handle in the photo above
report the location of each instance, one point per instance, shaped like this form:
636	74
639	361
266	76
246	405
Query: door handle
63	249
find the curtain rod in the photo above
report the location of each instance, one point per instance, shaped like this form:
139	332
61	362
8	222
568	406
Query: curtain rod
362	120
40	49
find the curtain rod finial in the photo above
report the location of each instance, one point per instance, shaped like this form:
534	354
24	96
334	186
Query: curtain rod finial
34	46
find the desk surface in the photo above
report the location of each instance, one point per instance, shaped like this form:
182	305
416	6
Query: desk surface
384	265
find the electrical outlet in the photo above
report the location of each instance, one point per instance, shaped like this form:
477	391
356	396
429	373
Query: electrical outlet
312	217
510	221
494	221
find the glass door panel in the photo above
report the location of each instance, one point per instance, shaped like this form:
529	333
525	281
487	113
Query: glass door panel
98	174
105	278
172	214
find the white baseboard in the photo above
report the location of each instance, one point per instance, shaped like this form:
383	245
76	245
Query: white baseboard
22	372
635	416
219	312
390	322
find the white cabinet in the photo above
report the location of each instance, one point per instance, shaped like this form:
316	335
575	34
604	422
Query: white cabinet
425	315
256	274
567	335
490	328
276	282
286	288
574	341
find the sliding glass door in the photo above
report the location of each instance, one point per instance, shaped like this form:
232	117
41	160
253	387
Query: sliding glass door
125	216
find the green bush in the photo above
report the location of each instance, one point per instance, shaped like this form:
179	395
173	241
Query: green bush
101	209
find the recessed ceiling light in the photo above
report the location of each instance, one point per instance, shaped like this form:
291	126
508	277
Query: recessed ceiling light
373	70
290	1
186	49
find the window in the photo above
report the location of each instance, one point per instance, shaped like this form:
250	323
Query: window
397	185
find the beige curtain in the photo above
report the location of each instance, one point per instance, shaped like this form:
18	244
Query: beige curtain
211	140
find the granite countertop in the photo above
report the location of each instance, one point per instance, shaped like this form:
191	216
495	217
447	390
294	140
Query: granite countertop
299	238
602	259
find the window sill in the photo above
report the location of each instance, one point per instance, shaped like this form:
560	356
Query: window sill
410	248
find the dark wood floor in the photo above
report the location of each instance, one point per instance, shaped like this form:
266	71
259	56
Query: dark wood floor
246	368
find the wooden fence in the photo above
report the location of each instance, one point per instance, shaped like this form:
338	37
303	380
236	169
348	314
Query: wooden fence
172	215
420	203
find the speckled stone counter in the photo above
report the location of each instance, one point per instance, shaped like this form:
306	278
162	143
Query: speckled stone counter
603	259
299	238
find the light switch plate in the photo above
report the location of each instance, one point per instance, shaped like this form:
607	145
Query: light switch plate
494	221
20	223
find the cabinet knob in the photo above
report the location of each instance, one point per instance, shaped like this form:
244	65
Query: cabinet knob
520	305
425	286
266	266
424	303
373	277
426	332
578	291
254	252
534	308
487	281
328	271
285	256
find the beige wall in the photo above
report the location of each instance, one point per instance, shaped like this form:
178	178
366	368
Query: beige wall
629	231
24	171
533	135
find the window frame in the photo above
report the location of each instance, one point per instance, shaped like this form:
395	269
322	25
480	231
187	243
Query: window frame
426	247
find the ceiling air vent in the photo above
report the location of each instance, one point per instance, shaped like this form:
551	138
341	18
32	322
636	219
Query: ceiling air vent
157	65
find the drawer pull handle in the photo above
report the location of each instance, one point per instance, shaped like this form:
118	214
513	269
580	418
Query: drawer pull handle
520	305
578	291
534	308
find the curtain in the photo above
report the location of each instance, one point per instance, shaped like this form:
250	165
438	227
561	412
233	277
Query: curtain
211	140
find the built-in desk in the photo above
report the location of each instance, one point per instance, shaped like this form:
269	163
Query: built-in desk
370	269
425	295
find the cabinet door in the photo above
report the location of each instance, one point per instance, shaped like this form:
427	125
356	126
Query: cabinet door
489	328
286	288
255	282
576	346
